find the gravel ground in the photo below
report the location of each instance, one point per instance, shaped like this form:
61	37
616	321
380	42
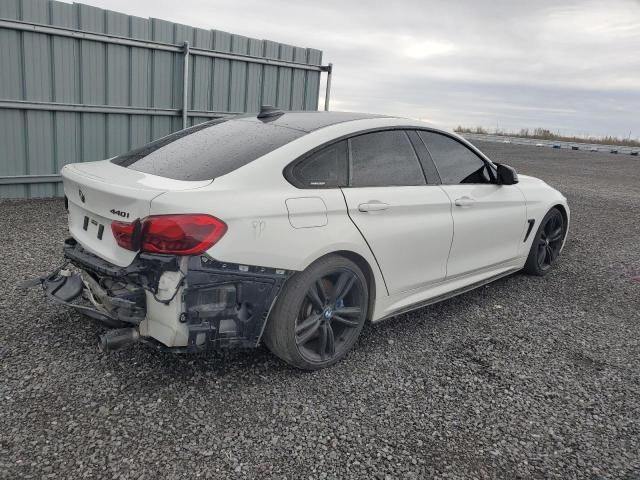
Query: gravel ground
524	378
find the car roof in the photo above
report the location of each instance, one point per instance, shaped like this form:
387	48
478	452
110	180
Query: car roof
310	121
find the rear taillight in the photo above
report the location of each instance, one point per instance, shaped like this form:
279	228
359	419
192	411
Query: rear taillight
171	234
181	234
126	234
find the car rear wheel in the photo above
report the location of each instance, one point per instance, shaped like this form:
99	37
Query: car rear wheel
319	315
547	243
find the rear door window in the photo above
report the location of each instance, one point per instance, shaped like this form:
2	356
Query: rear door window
208	150
455	162
381	159
325	168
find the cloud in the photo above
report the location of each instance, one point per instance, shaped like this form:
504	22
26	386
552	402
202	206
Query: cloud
421	49
571	65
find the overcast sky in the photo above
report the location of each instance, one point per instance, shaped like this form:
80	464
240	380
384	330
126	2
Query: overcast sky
571	66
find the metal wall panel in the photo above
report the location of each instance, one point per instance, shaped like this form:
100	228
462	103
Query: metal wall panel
13	150
314	57
254	77
283	98
201	72
238	78
270	74
221	71
59	88
9	9
297	82
11	77
66	141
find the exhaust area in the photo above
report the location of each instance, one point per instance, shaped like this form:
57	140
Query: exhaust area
118	339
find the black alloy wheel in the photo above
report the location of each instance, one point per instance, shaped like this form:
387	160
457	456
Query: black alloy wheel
330	315
319	314
550	241
547	243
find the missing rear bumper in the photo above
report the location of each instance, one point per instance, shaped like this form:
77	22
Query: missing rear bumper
227	305
187	304
64	287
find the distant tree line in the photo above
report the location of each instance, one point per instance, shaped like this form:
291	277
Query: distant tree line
546	134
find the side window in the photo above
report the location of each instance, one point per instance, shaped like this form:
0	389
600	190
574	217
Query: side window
383	159
325	168
454	161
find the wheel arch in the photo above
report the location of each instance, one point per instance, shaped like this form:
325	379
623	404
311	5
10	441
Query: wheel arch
565	216
363	264
563	211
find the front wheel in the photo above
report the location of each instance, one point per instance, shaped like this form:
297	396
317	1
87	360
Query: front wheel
547	243
319	315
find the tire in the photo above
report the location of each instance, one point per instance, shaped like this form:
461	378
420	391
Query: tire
547	243
312	325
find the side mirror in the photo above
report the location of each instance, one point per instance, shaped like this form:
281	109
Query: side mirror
506	175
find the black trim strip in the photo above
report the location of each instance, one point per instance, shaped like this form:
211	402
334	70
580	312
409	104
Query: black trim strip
532	222
445	296
426	162
406	128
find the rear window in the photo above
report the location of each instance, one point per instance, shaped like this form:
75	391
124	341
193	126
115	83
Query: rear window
208	150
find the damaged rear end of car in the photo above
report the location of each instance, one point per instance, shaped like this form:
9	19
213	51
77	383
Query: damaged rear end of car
148	275
180	303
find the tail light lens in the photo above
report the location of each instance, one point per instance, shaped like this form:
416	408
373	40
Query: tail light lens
126	234
171	234
181	234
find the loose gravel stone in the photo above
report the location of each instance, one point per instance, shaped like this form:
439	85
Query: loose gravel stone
524	378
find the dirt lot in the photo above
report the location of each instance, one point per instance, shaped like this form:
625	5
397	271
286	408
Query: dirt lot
526	377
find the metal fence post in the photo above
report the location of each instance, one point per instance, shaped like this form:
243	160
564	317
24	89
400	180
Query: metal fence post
185	86
327	94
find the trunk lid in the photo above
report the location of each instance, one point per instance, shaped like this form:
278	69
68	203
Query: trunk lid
101	192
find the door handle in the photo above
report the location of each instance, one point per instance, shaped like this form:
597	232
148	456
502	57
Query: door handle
373	206
465	201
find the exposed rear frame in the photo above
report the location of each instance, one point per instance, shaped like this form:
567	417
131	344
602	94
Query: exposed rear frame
224	305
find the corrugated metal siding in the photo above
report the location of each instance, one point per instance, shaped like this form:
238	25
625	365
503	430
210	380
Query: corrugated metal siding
57	69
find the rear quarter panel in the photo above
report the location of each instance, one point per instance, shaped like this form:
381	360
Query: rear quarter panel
260	232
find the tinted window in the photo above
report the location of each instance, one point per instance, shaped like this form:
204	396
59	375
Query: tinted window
208	150
455	162
384	158
325	168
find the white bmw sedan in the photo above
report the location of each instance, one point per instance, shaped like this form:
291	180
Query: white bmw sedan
294	229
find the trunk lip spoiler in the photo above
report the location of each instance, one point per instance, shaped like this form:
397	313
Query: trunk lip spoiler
140	181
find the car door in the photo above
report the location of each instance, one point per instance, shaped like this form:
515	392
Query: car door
405	221
489	220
